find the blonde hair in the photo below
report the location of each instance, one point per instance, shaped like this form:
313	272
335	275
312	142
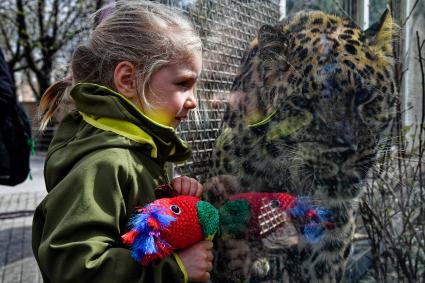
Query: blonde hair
147	34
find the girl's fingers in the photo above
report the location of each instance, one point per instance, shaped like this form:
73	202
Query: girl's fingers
187	186
195	188
192	187
207	276
207	245
199	189
176	184
209	267
210	256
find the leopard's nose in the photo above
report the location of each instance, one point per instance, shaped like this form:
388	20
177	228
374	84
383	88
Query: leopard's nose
339	154
346	142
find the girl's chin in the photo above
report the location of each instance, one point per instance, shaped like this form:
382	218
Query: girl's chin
175	123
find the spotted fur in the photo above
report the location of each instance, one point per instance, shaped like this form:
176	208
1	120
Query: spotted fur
307	113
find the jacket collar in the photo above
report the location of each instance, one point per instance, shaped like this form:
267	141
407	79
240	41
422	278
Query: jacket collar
109	110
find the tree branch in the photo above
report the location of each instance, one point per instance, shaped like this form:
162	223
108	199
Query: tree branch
29	80
410	13
23	35
55	18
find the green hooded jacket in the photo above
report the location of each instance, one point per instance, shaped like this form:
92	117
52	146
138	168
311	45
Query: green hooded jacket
105	160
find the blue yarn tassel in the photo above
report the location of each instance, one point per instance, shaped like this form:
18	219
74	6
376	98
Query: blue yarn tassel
146	241
143	244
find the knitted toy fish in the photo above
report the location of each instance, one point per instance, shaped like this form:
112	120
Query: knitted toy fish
169	224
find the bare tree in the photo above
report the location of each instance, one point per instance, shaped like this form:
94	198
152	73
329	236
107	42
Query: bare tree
35	32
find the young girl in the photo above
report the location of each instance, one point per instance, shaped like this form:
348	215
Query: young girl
132	83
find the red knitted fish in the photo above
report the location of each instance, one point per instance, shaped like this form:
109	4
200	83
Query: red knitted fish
174	223
168	224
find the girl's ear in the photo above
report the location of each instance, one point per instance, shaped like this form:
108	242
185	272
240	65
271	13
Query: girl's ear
125	79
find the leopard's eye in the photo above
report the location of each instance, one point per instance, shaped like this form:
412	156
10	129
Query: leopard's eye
289	125
375	113
175	209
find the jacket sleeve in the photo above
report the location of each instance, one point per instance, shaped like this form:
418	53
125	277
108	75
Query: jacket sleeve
77	229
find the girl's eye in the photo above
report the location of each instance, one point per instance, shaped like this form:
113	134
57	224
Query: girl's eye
183	84
186	83
175	209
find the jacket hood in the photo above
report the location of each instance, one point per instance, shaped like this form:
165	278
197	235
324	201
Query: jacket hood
106	119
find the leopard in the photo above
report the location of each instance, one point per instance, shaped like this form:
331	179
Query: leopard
308	112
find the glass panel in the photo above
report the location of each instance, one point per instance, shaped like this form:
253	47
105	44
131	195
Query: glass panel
304	125
294	146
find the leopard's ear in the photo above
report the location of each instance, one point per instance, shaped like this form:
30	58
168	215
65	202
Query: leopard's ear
380	35
271	42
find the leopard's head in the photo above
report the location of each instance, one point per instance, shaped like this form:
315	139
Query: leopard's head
313	97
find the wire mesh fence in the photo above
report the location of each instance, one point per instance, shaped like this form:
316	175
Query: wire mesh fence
226	28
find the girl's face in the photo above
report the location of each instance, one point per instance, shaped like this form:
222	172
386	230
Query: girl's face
171	91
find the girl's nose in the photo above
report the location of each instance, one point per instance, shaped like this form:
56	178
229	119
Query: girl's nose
190	103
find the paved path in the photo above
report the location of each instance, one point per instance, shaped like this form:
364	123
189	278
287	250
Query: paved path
17	204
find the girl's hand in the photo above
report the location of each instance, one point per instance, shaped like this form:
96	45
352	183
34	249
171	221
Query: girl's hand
187	186
197	260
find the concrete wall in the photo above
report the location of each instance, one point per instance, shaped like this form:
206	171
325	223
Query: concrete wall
412	83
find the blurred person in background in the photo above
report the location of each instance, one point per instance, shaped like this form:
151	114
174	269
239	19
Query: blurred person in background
15	132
